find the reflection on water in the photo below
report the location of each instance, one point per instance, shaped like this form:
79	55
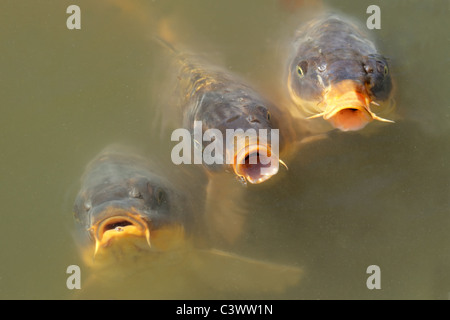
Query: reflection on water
347	202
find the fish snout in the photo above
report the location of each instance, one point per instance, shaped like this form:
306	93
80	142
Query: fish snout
122	225
256	163
347	106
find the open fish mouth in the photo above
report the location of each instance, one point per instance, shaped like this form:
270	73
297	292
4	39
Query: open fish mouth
120	226
256	163
349	118
347	106
124	232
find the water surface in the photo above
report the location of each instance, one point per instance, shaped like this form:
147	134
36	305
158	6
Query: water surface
346	203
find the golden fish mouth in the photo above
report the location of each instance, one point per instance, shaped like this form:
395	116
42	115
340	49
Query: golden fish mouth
256	163
347	106
121	235
349	118
121	226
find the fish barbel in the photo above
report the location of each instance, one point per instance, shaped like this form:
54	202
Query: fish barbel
335	72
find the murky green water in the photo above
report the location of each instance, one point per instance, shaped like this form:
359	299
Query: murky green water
346	203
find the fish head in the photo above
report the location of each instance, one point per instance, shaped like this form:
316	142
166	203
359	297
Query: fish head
131	217
341	90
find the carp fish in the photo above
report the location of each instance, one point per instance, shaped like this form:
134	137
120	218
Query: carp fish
196	90
143	235
335	72
221	100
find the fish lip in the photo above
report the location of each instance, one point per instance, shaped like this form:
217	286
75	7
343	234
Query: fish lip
119	224
354	119
243	170
348	95
334	111
365	116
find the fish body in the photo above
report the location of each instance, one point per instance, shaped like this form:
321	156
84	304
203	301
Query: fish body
335	72
143	234
221	100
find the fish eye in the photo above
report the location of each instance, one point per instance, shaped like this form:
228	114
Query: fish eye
302	68
382	68
160	196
